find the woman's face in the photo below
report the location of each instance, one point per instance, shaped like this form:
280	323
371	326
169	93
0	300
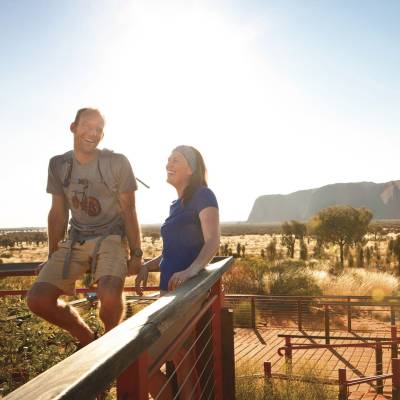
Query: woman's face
178	170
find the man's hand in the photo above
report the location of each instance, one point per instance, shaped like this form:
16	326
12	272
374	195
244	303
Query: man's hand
134	265
141	277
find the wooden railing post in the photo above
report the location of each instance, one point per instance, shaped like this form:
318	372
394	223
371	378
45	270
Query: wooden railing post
343	384
349	314
395	346
299	316
267	370
396	379
228	354
326	318
392	316
253	313
288	354
267	380
379	366
216	338
133	383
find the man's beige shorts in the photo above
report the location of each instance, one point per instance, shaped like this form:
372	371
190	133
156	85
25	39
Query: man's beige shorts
111	260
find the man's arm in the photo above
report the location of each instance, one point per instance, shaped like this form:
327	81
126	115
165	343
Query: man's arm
56	222
127	203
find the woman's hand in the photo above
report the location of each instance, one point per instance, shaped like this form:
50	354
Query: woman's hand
178	278
142	276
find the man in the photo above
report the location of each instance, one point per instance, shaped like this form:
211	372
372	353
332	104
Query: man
97	186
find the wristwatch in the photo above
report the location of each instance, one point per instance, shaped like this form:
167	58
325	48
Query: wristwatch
137	252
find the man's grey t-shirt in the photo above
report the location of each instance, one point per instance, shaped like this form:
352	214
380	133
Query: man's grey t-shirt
93	205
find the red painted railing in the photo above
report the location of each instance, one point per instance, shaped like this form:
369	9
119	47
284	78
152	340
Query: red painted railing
183	328
343	382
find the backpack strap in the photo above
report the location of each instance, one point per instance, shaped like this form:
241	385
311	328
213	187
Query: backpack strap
66	167
106	172
104	165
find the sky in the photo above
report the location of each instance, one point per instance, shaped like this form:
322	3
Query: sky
278	96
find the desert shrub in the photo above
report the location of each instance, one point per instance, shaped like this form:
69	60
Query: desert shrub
303	251
250	385
29	346
350	260
292	278
299	283
288	265
271	250
6	254
246	276
358	282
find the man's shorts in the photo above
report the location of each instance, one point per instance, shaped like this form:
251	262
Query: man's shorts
111	260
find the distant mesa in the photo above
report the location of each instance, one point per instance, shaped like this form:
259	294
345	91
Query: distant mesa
383	199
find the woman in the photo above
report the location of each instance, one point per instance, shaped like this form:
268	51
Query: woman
190	240
191	232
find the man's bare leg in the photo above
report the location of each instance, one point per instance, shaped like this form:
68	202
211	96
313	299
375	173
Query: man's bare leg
43	300
109	291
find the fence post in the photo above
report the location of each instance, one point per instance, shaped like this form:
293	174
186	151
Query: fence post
288	354
253	313
267	371
268	387
379	366
393	335
299	315
228	354
326	317
392	316
342	384
396	379
348	314
133	382
216	338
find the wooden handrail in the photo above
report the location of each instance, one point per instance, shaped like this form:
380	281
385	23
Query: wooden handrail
90	370
301	346
366	379
18	269
310	298
306	336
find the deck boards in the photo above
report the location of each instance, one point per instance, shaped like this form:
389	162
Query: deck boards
255	347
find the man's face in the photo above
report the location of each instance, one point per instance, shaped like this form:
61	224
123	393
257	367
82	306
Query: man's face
88	131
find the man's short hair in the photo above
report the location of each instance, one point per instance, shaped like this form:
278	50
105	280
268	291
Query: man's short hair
82	110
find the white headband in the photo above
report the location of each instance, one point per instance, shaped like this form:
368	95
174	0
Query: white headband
189	154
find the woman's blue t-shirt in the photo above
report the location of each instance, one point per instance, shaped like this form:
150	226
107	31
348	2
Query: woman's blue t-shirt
182	235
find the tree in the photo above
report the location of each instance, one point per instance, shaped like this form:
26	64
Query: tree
376	230
288	239
318	250
290	232
303	250
360	256
368	256
341	225
271	250
299	229
238	248
396	252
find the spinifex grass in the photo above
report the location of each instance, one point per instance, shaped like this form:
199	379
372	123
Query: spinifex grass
306	384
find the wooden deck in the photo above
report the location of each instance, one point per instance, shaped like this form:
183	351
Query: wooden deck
253	347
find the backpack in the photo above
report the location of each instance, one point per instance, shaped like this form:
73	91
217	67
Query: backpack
104	165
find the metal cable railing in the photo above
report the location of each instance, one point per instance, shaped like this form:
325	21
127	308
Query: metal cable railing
189	318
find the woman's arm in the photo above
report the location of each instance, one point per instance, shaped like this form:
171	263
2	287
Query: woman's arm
209	219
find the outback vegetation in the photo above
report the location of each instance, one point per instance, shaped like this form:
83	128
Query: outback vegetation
339	251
